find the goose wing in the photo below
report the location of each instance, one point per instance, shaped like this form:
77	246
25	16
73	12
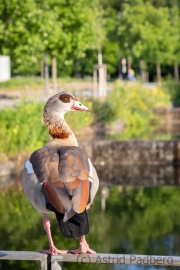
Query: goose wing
66	174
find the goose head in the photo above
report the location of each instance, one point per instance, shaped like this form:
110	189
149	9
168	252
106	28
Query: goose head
54	111
63	102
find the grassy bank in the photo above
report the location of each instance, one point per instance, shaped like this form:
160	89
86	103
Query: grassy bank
33	83
22	127
21	82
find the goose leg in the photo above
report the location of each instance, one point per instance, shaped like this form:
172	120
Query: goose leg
52	249
84	247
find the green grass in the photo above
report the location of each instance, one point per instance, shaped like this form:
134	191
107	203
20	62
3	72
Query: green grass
21	82
71	79
32	82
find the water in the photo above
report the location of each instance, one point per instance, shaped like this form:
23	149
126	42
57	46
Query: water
137	220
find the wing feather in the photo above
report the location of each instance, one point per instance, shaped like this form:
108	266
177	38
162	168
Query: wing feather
70	159
65	170
75	164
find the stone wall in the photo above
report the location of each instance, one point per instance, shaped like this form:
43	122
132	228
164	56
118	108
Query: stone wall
140	152
170	119
146	163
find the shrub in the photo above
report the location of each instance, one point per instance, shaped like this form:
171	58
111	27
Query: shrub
173	90
134	105
22	127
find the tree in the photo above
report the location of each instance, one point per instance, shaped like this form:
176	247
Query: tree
106	21
175	23
19	38
150	37
31	28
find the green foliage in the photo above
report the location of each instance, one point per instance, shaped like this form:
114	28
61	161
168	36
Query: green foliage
31	28
105	112
164	3
73	31
173	89
85	65
110	52
22	127
134	105
152	37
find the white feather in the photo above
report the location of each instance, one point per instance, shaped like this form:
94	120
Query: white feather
29	167
91	171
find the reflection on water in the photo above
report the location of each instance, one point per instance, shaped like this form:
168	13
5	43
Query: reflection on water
137	220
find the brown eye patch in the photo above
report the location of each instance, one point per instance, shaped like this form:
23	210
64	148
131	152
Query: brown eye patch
65	98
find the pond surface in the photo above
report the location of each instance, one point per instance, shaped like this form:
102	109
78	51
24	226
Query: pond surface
137	220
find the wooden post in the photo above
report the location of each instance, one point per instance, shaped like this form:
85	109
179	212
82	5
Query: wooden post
158	71
101	81
100	73
95	82
42	68
54	74
105	80
176	72
102	76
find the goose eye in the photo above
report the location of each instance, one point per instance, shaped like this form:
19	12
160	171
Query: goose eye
66	99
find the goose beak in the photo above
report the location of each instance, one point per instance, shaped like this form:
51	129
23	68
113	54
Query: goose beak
80	107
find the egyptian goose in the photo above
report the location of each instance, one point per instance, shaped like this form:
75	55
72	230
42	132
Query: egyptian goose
60	178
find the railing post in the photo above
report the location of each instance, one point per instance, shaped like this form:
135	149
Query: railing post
25	256
55	265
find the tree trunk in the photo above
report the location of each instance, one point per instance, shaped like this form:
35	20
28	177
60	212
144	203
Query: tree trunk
54	74
141	65
147	76
100	61
129	62
176	72
119	65
105	80
46	75
158	71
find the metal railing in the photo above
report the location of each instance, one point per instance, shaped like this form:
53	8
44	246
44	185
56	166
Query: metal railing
100	258
25	256
55	262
